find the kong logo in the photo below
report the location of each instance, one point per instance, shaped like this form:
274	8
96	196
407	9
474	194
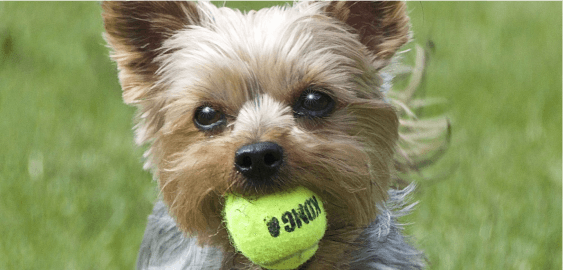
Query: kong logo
295	218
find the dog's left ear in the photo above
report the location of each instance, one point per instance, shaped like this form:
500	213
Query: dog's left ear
382	26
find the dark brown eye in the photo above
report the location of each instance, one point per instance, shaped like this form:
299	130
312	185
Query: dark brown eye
206	118
313	104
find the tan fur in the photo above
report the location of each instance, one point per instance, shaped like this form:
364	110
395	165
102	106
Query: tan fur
175	57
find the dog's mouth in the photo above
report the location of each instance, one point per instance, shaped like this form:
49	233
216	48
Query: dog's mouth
306	264
294	258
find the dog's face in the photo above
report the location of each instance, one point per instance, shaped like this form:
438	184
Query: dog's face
262	102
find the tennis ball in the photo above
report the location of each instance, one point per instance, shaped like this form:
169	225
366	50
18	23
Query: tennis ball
277	231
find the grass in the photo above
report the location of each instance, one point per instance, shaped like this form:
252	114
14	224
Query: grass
499	65
73	194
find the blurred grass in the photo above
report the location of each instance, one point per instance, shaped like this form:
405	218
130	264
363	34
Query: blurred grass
499	66
73	194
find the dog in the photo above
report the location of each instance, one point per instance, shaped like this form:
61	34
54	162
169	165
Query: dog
261	102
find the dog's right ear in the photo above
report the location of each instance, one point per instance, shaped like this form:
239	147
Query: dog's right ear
136	31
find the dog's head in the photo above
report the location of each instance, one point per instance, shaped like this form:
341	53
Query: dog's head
260	102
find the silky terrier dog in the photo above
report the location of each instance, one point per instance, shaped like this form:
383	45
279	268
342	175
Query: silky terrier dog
260	102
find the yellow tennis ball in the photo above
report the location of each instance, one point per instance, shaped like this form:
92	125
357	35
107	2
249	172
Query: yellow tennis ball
277	231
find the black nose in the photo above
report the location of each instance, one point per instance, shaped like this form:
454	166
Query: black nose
259	161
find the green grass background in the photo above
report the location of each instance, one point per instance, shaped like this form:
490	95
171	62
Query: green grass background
73	194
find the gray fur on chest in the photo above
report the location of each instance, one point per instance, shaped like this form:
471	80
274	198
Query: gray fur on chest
384	247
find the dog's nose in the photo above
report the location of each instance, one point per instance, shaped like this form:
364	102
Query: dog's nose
259	161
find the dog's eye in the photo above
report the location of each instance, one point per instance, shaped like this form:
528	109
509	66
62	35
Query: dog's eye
206	118
313	104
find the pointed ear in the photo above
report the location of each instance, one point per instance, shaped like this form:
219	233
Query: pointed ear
136	30
383	26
